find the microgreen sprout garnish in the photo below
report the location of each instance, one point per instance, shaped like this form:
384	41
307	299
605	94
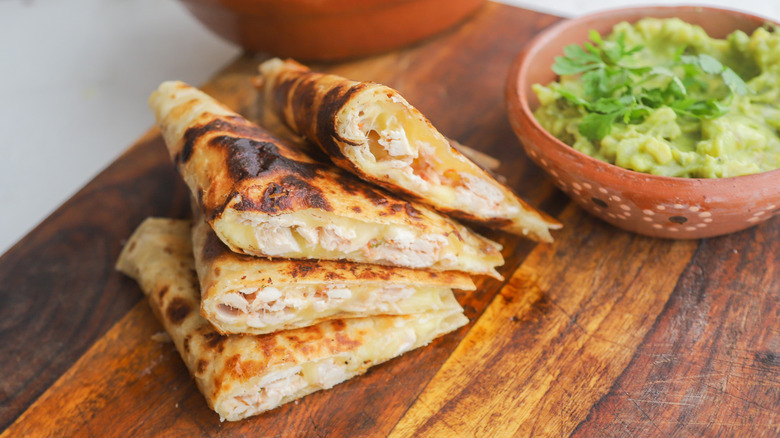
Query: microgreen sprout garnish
614	91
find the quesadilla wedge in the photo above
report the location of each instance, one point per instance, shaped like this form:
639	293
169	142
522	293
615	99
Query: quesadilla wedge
245	294
243	375
263	197
370	130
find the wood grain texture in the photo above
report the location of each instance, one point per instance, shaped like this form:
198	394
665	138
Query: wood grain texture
603	333
554	339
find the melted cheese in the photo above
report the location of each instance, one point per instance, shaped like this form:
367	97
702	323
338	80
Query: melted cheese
265	309
307	234
289	382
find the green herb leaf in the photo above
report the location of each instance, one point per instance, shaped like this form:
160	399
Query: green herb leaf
710	65
596	126
613	85
735	83
574	99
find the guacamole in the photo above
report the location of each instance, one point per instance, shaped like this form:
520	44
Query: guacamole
688	105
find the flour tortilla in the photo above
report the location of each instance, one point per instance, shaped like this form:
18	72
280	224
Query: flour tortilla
244	375
372	131
263	197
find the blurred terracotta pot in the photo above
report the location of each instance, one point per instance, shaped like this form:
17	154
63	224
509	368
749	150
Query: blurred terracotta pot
328	30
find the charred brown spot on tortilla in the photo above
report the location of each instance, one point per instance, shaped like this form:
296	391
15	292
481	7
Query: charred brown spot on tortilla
305	338
281	93
333	100
346	182
344	342
211	211
217	271
396	208
131	247
177	310
375	196
218	381
201	366
213	248
302	268
374	275
186	343
233	124
330	276
338	325
290	193
357	209
233	365
267	344
214	341
412	212
303	98
247	158
161	293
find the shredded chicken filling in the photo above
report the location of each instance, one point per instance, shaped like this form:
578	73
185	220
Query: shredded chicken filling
260	307
396	147
323	374
285	236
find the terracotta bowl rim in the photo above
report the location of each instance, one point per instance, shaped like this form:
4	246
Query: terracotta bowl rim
595	168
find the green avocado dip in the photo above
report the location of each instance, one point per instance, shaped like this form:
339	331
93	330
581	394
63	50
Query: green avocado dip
662	97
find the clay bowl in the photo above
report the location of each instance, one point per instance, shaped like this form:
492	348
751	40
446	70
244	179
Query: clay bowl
328	30
670	207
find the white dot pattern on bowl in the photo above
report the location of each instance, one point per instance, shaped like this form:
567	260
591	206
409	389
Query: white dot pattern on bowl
673	218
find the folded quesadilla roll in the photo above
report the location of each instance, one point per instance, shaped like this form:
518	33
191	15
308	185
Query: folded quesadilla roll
263	197
370	130
243	375
245	294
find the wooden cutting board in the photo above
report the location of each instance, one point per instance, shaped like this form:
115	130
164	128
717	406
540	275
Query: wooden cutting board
603	333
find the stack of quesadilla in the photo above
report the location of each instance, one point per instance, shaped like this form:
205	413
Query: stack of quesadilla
295	274
241	376
268	294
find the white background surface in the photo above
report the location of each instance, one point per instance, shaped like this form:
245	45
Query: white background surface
75	74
